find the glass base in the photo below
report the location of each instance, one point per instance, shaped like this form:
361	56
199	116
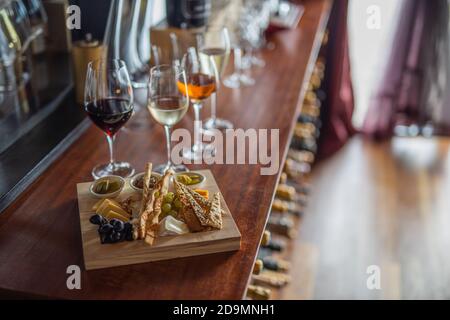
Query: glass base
121	169
219	124
199	153
248	62
162	169
235	81
258	62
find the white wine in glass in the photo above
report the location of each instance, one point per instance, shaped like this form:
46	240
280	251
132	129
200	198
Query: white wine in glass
220	56
168	111
215	44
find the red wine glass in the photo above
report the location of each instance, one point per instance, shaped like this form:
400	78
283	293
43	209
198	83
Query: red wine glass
109	104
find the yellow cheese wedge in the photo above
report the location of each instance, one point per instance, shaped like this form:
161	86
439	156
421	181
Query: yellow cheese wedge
203	193
97	205
110	205
115	215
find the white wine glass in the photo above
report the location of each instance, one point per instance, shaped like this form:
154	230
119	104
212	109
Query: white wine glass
168	103
215	43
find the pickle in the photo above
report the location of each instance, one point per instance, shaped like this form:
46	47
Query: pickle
106	186
184	179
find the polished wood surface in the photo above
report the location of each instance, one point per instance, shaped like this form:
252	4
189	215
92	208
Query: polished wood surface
98	256
40	233
376	204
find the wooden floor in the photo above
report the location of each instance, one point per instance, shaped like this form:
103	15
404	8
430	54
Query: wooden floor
386	205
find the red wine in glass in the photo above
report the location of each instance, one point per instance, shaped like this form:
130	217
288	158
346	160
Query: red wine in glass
110	115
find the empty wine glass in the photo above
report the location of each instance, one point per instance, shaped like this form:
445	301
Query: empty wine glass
168	103
243	37
109	104
257	19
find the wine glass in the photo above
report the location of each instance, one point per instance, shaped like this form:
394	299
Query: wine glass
168	103
215	43
109	103
240	40
258	20
202	78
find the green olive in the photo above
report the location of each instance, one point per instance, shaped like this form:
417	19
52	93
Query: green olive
162	216
177	204
166	208
168	198
173	213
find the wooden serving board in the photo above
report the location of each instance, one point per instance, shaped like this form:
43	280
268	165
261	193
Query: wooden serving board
98	256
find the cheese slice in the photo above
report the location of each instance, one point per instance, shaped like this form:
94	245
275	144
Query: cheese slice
110	205
98	204
203	193
170	226
115	215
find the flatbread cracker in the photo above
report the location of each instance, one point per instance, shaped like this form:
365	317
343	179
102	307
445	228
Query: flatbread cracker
151	230
215	212
208	213
148	198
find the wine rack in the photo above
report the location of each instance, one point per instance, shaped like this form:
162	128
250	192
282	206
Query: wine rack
272	269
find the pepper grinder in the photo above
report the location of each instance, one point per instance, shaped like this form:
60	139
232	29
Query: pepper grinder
84	52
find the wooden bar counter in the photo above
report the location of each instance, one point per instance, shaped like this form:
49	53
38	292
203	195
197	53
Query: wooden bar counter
40	232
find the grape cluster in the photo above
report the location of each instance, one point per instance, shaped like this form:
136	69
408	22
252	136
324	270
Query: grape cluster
171	206
113	231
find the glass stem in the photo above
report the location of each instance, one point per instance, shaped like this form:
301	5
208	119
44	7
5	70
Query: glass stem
250	56
111	149
214	107
197	127
238	60
169	146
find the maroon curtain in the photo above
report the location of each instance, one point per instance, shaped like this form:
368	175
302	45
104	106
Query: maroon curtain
337	110
413	70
